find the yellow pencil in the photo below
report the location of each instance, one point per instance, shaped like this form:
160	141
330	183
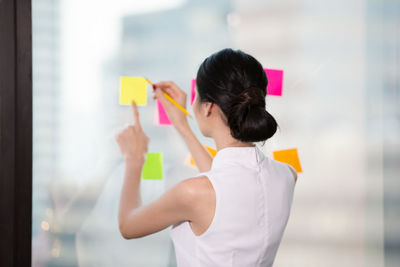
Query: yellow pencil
173	101
148	81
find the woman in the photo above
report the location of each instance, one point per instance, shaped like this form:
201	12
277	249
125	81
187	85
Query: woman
235	211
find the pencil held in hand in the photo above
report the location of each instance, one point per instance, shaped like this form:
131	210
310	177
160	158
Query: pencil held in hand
176	104
172	100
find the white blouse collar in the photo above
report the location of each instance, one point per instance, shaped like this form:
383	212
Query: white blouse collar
248	155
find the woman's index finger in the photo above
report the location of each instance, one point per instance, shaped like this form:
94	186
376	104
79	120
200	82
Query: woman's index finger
136	119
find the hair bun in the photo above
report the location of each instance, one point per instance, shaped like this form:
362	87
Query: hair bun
248	119
251	96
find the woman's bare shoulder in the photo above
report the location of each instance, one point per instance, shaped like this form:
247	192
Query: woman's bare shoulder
199	185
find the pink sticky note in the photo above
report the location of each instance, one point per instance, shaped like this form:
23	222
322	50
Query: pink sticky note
162	115
275	80
192	92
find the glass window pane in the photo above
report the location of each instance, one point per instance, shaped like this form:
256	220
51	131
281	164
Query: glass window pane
339	108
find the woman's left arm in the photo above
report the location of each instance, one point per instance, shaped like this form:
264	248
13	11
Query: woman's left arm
130	198
173	206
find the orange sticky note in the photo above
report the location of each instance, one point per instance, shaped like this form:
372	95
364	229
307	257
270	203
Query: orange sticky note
289	156
211	150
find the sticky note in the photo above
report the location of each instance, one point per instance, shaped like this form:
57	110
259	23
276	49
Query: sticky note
133	88
275	81
289	156
211	150
153	166
192	91
163	118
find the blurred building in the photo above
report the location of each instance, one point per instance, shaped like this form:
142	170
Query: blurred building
46	97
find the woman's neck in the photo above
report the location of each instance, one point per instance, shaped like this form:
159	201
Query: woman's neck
225	139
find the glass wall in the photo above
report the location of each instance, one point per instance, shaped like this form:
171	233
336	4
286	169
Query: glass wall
340	108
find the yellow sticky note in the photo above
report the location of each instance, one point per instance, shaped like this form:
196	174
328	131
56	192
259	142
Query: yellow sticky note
212	151
133	88
289	156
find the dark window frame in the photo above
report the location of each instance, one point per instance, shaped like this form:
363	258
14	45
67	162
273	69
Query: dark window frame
15	132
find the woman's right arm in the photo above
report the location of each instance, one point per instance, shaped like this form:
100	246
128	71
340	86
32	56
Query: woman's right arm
200	155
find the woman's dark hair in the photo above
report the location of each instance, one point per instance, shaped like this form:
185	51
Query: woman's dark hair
237	83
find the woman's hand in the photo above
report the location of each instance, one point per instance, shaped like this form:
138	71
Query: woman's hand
175	115
132	141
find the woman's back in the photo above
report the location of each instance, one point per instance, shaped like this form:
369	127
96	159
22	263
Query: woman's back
253	199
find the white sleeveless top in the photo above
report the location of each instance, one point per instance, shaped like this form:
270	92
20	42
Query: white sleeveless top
254	195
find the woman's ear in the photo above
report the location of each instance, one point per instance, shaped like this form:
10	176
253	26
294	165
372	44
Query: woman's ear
207	109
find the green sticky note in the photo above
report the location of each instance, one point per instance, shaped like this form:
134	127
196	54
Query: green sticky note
153	167
133	88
